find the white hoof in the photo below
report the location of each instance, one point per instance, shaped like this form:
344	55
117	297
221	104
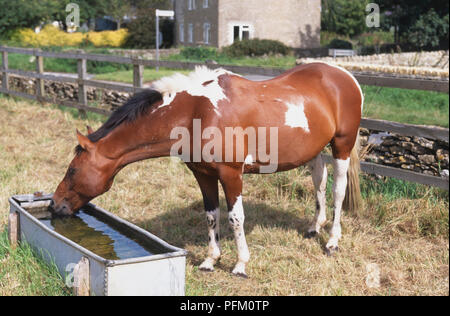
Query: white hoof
239	270
207	265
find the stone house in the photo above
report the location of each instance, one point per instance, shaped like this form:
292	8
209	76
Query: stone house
219	23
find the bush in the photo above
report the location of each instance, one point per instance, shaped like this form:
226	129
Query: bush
430	31
375	38
198	53
108	38
256	47
142	30
53	36
340	44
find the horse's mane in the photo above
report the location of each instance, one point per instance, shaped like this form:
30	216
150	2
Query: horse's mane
135	107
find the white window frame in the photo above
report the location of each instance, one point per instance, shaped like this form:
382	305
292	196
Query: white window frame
191	33
181	32
191	5
206	33
205	4
242	27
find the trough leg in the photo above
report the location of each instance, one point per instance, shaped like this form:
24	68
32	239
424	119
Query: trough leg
81	278
231	180
319	175
13	229
210	190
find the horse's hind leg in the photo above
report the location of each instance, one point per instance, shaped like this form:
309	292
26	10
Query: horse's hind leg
342	148
210	191
319	175
231	180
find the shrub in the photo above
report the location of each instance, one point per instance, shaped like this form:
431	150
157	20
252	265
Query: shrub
108	38
198	53
326	38
53	36
430	31
340	44
375	38
142	30
256	47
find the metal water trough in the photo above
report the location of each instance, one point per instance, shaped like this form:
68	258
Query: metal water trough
162	274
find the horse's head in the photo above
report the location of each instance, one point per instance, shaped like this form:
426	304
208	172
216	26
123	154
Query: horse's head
89	175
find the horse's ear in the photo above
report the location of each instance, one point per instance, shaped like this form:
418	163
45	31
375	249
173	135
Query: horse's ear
84	141
89	130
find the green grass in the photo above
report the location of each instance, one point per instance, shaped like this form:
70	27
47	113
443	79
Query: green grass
406	106
28	63
149	75
269	61
22	273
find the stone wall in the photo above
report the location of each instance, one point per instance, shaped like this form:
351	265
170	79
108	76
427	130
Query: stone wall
102	98
409	153
144	53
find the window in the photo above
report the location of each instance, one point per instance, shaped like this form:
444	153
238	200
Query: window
181	32
206	33
245	32
191	33
241	32
191	5
205	4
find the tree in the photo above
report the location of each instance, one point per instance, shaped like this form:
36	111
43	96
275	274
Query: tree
118	9
24	13
429	31
142	29
402	15
344	17
89	9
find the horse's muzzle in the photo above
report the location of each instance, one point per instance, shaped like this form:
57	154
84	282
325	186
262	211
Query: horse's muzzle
62	209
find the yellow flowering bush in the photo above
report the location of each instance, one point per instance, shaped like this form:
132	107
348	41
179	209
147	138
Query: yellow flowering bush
108	38
53	36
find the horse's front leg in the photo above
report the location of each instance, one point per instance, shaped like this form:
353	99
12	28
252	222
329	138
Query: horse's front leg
210	191
231	180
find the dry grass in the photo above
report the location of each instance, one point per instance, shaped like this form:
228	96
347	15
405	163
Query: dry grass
406	234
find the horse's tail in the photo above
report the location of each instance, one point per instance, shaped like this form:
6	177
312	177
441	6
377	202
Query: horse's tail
353	200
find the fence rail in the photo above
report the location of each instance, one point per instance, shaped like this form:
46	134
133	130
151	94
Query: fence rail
431	132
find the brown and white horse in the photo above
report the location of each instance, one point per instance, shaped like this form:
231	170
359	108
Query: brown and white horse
307	108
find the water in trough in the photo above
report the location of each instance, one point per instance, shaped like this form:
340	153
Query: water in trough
88	229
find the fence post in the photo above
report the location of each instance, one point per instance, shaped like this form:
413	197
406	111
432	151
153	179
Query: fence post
40	88
138	75
5	76
82	93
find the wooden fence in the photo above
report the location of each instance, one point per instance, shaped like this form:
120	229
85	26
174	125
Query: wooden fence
435	133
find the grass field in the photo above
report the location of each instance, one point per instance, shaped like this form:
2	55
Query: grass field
254	61
403	227
27	62
406	106
126	76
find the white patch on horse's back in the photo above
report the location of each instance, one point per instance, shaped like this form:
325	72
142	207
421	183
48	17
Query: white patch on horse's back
203	82
295	115
249	160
